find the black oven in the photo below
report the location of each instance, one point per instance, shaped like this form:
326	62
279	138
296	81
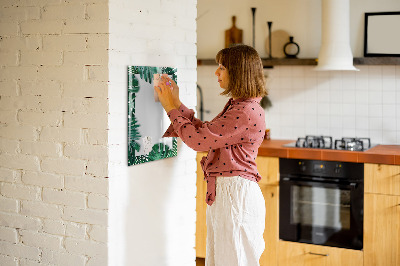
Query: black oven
321	202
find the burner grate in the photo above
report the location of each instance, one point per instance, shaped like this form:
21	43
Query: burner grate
326	142
322	142
353	144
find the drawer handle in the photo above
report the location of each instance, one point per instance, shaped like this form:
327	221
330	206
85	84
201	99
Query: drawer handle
318	254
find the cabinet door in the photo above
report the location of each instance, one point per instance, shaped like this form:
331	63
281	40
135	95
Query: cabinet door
382	179
201	205
381	230
299	254
271	232
268	167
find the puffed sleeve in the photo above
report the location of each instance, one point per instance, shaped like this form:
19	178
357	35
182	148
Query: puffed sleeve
232	127
185	112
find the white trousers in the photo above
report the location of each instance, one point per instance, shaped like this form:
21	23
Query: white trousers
235	223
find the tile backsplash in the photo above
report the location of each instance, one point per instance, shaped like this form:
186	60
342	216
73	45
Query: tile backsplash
363	103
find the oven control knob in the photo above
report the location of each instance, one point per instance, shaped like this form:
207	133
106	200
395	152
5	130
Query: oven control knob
338	168
302	166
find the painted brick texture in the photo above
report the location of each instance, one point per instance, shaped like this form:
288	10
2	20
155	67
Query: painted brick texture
155	200
53	132
63	133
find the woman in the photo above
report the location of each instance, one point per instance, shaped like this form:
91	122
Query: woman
236	211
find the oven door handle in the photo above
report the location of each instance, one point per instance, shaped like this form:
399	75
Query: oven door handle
319	182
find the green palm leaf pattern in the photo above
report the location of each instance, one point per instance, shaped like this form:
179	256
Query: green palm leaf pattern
170	71
159	150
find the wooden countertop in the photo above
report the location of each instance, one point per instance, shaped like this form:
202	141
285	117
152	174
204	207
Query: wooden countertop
380	154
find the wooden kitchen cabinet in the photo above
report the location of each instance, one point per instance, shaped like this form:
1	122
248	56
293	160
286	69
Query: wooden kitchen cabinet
381	230
201	205
382	215
271	232
300	254
382	179
268	168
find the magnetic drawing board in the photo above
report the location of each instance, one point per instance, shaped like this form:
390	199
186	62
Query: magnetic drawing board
147	120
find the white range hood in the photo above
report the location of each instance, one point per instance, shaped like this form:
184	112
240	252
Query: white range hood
335	52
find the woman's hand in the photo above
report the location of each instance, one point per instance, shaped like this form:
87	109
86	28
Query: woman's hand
175	92
165	95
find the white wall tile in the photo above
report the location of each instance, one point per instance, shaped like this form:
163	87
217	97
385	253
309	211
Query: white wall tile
375	97
311	123
389	110
376	136
298	82
362	79
362	123
348	132
389	136
336	95
349	121
349	96
323	121
310	108
298	120
286	71
336	122
336	109
365	101
375	110
323	109
311	95
323	95
362	97
389	84
362	133
362	110
375	123
348	109
389	97
324	131
389	124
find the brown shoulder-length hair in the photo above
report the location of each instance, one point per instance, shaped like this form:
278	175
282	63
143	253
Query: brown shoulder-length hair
245	69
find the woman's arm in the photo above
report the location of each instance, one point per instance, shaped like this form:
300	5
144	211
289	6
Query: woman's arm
186	112
232	128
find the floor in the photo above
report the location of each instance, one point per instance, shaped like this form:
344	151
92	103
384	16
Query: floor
200	262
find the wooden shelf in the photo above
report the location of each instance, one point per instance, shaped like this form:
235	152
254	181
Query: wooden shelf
269	63
289	62
377	61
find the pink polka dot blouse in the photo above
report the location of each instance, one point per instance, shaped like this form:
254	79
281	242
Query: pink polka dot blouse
232	139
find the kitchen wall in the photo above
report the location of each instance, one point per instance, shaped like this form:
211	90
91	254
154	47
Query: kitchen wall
64	180
337	103
152	205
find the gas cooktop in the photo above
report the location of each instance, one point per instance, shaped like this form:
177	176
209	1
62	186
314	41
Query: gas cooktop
326	142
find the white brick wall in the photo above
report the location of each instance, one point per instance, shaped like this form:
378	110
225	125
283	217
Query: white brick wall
152	206
53	132
60	139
